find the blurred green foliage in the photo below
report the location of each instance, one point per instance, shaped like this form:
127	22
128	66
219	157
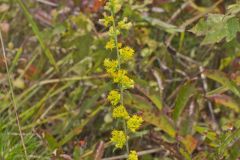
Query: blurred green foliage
186	71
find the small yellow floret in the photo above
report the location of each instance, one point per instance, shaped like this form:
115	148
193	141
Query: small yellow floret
126	53
118	138
114	97
132	155
110	44
119	45
134	123
120	112
110	65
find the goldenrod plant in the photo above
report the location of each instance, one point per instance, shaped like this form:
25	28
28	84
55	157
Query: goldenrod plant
119	76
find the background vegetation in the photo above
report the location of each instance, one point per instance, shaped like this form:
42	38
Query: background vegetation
53	88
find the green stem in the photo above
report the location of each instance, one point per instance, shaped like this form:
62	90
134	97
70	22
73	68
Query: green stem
119	67
126	132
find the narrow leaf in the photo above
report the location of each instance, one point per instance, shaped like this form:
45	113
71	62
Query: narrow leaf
160	121
221	78
225	101
185	92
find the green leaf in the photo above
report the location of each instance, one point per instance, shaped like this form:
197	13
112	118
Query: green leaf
157	101
225	101
200	156
150	115
163	25
200	28
185	92
159	120
216	28
221	78
228	140
232	28
52	142
233	9
190	143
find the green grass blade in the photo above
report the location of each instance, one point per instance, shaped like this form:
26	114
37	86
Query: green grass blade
38	34
15	60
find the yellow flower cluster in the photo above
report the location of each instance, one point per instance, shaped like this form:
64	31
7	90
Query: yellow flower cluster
121	78
110	65
110	44
120	112
114	97
132	155
134	123
118	138
126	53
124	25
107	20
113	32
113	5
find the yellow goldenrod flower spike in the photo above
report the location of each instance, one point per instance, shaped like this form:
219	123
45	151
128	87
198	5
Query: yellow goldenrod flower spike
126	53
132	155
120	112
119	76
134	123
114	97
118	138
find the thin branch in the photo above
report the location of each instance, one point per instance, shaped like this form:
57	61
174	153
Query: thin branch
205	88
48	3
177	12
